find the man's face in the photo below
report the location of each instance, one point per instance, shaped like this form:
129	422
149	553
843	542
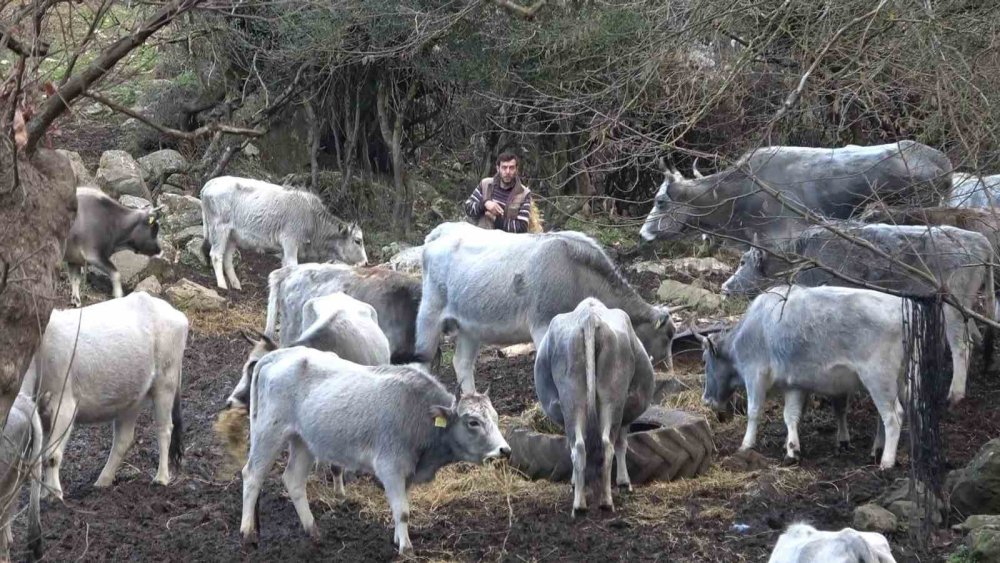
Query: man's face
507	170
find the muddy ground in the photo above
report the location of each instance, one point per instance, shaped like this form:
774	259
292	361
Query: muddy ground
468	513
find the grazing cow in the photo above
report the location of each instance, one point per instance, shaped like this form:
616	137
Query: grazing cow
394	295
593	378
335	323
956	259
982	221
100	364
396	422
974	191
499	288
825	340
239	212
834	183
20	462
801	543
102	227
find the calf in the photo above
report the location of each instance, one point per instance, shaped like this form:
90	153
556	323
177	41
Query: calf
825	340
102	227
593	378
20	462
802	543
396	422
99	364
239	212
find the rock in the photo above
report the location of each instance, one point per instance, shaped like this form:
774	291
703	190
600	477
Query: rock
975	489
897	500
977	521
408	261
189	296
179	212
251	150
984	544
192	256
516	350
745	461
874	518
655	267
150	285
676	293
134	267
80	172
182	237
699	267
133	202
153	164
119	174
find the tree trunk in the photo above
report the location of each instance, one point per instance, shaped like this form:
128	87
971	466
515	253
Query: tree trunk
34	221
315	132
393	138
351	137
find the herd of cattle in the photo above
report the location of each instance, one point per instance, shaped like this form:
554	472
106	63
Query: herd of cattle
347	379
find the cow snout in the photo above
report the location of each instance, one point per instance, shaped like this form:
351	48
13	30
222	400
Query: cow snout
505	452
502	452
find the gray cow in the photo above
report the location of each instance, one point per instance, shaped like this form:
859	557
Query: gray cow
21	462
970	191
102	363
831	341
396	422
245	213
494	287
957	259
102	227
593	378
834	183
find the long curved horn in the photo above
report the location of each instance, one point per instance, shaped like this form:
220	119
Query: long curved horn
694	169
701	338
661	164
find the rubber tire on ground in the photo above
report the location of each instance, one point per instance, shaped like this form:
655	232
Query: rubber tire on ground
663	445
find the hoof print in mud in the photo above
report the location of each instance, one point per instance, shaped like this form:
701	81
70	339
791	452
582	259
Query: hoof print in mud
663	445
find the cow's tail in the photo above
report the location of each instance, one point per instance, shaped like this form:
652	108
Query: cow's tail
35	488
176	452
593	444
990	291
206	244
274	281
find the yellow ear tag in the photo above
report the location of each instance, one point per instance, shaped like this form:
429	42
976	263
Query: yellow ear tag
440	421
152	219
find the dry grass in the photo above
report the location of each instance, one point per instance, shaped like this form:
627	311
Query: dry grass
232	428
533	419
238	316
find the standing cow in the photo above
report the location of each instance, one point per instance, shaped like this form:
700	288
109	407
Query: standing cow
830	341
957	260
20	462
834	183
100	364
102	227
972	191
396	422
239	212
494	287
593	378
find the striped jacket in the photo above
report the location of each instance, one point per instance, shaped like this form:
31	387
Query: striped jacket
515	202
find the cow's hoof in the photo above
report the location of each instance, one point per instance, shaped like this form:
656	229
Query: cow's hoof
250	539
406	551
877	454
161	481
954	401
314	534
790	460
578	511
624	488
104	482
844	447
607	506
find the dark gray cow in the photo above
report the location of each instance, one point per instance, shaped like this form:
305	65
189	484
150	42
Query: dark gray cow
21	462
834	183
494	287
102	227
831	341
972	191
240	212
958	260
593	378
396	422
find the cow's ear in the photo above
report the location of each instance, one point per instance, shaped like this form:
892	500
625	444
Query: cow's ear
344	229
441	416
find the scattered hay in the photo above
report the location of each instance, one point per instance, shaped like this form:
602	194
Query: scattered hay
533	419
238	316
233	429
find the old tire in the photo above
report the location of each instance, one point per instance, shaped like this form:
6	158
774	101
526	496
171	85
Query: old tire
663	444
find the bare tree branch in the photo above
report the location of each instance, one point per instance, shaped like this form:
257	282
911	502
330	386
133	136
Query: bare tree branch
39	49
523	11
202	131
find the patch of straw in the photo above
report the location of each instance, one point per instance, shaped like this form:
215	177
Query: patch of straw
236	317
533	419
233	428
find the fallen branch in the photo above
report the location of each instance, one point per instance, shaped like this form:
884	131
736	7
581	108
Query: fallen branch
39	49
202	131
524	12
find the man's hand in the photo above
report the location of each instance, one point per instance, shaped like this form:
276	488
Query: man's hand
493	207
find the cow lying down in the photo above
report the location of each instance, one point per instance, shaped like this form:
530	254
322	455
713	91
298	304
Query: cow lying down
396	422
830	341
801	543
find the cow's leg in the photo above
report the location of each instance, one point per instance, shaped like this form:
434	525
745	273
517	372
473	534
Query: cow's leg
289	252
395	490
124	435
621	453
429	324
227	264
112	272
338	481
606	418
466	351
794	401
163	402
891	413
220	241
958	338
76	276
575	429
755	406
300	462
840	407
60	429
264	449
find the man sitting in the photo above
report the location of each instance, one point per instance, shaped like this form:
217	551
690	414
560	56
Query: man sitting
502	202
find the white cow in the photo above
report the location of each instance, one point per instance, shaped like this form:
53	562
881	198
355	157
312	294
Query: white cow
255	214
20	461
802	543
100	364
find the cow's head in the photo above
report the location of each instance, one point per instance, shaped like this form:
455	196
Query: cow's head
472	428
721	377
262	345
657	334
666	219
346	244
749	279
142	239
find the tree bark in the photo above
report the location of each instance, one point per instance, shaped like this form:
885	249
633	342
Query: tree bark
393	137
351	137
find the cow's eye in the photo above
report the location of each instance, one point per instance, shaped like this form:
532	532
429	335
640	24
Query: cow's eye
473	423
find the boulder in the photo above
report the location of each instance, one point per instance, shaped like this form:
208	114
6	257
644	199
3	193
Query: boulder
119	174
150	285
676	293
408	261
654	267
704	268
135	267
189	296
975	489
182	237
133	202
192	255
874	518
80	172
909	511
984	544
516	350
153	164
179	212
979	521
